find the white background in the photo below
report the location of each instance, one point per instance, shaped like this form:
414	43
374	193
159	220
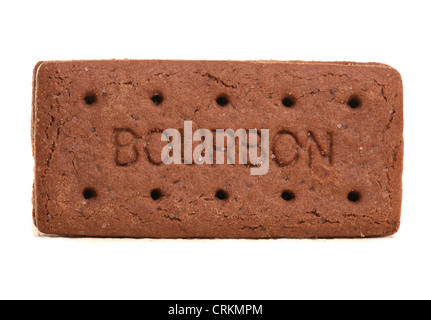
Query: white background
33	266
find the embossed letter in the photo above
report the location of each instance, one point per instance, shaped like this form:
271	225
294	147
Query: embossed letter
285	148
125	150
312	141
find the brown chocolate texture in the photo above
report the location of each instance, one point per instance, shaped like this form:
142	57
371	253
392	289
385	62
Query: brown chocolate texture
335	134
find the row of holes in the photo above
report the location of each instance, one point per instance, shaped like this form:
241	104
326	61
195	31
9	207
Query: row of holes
222	100
287	195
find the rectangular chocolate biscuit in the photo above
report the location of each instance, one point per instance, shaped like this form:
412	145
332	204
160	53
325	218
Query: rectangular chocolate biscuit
217	149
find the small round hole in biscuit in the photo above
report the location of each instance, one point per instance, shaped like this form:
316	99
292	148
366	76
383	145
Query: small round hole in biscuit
354	102
222	100
89	193
90	98
288	195
221	194
288	101
156	194
354	196
157	99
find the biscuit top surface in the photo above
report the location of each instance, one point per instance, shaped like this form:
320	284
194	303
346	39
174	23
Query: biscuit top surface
335	143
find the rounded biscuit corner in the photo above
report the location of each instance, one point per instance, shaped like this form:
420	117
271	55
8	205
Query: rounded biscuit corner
394	230
40	68
41	228
393	72
36	67
396	74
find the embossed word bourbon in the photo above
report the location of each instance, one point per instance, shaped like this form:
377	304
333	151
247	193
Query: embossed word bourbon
250	147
